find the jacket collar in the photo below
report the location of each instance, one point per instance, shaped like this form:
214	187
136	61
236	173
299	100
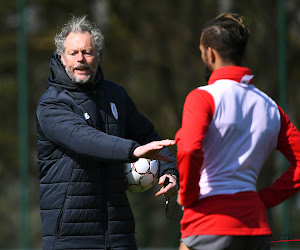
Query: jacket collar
235	73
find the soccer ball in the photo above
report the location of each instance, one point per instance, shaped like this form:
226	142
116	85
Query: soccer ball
141	175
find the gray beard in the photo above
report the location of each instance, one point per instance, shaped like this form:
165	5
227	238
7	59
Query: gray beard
89	80
74	79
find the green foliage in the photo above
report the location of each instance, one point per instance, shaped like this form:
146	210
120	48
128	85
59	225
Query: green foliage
152	50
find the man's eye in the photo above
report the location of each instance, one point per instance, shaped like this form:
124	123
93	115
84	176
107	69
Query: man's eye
88	53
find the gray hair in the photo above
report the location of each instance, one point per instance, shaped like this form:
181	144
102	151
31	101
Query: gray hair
79	25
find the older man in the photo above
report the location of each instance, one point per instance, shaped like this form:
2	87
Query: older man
88	128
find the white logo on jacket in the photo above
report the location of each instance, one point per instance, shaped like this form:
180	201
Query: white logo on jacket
114	110
86	116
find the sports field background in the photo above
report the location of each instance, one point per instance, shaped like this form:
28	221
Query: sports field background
151	48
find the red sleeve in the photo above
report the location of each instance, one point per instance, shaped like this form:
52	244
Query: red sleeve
289	182
197	114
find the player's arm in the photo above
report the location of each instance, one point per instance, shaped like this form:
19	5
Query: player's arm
197	114
151	150
62	126
289	182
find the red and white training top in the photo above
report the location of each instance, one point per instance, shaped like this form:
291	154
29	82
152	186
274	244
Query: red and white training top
229	128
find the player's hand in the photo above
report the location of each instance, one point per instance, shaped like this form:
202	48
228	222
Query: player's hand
151	150
170	189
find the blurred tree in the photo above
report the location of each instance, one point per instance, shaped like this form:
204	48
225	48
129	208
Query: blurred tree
8	127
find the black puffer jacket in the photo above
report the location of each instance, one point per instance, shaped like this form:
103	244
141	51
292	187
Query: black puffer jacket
82	147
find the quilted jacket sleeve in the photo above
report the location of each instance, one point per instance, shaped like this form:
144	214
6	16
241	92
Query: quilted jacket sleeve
60	125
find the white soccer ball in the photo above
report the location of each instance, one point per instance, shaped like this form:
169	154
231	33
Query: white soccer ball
141	175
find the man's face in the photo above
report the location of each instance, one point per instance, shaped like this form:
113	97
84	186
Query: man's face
207	69
80	58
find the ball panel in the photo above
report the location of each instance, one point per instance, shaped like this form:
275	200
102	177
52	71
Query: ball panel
133	178
154	167
142	166
127	167
146	180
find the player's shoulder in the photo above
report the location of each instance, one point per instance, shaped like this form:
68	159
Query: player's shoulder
199	95
199	92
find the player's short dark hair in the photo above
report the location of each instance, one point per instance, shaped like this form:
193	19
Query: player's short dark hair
228	35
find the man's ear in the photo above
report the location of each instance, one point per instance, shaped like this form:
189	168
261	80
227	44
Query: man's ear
211	54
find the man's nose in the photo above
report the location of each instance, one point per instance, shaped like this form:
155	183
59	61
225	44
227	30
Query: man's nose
80	57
